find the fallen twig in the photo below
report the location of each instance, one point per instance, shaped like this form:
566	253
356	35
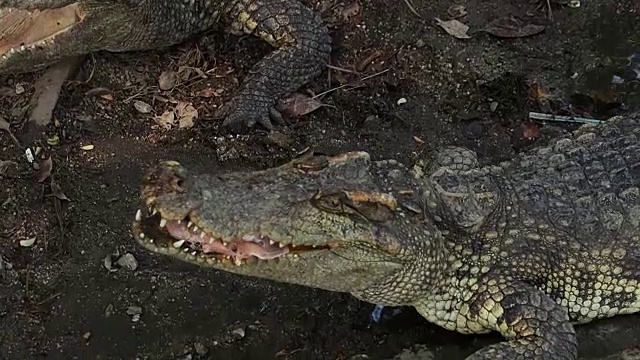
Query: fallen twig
345	85
561	118
413	10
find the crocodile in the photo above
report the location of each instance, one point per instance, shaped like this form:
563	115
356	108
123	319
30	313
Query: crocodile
37	33
529	247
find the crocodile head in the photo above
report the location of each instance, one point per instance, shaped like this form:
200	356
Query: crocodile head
36	33
39	36
341	223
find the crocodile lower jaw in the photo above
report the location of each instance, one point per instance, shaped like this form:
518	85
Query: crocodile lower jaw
186	240
22	30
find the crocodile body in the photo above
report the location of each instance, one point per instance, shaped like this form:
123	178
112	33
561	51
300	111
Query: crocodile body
35	33
528	248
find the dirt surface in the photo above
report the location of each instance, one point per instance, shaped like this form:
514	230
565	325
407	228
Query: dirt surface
58	300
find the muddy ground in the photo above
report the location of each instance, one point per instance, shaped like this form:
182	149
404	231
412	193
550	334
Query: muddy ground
58	299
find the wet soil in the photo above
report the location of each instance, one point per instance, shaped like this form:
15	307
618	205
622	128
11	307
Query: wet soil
58	300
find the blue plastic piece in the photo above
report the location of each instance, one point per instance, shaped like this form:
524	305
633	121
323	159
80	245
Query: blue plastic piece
377	313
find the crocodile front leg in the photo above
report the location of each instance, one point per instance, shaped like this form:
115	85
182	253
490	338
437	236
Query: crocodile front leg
303	47
535	326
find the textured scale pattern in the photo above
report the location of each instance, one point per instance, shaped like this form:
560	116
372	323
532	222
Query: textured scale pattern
551	238
528	248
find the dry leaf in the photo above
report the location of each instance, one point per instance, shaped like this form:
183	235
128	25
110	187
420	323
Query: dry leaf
4	124
209	92
28	242
298	104
457	11
509	27
99	91
349	11
45	170
455	28
167	80
166	120
187	114
57	191
87	147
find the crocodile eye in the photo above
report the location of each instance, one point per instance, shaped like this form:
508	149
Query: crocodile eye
314	163
344	203
330	203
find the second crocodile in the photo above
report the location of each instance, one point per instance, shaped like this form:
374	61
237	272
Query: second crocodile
34	33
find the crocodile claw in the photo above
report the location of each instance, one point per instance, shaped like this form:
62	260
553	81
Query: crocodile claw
244	113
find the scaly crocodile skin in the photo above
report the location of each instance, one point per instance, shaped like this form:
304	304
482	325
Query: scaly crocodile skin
301	40
528	248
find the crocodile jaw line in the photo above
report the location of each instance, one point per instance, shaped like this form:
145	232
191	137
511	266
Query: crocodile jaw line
186	240
22	30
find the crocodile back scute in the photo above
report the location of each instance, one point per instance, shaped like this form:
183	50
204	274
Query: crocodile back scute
586	186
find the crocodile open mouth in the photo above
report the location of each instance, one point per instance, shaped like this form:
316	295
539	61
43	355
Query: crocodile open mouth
186	240
22	30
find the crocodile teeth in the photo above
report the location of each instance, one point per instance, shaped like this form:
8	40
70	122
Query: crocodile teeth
237	261
225	243
202	235
163	222
178	244
154	211
194	253
189	224
281	245
271	242
138	215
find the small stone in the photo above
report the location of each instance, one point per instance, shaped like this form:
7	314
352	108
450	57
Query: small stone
402	101
134	310
19	89
142	107
200	348
86	336
128	261
108	311
239	333
28	242
108	263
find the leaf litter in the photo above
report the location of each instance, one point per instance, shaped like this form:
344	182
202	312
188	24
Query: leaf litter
45	170
510	27
298	105
185	114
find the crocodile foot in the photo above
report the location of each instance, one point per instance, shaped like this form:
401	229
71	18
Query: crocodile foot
246	111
